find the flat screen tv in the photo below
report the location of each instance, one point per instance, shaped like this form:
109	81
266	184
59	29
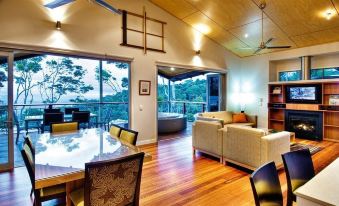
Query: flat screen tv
304	94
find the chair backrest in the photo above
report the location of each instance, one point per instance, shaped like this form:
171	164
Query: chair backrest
30	144
266	185
115	130
129	136
71	110
64	127
51	110
28	158
81	117
117	179
53	118
299	168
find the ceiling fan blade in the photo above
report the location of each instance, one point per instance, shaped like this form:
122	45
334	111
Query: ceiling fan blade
268	41
107	6
57	3
244	48
278	47
257	51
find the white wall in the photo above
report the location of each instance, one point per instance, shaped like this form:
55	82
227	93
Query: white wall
90	28
253	77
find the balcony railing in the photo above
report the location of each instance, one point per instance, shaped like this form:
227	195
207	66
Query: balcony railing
182	107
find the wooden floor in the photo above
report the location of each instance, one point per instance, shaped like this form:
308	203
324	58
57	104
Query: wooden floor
176	177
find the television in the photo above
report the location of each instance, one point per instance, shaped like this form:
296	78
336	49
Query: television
304	94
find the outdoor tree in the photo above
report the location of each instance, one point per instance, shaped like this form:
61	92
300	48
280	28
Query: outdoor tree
25	70
3	78
61	77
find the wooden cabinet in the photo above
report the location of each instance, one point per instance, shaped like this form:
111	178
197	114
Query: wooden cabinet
276	116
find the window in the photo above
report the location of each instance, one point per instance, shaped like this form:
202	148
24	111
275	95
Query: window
325	73
290	75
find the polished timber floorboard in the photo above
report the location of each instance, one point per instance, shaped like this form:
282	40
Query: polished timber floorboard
176	177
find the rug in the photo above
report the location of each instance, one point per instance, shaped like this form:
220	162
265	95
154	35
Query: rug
298	146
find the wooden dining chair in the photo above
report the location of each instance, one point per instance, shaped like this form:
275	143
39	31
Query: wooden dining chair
121	185
82	117
266	186
299	169
129	136
44	194
64	127
49	118
71	110
115	130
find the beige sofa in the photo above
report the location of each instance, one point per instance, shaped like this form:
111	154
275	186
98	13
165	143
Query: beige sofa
207	138
225	118
251	147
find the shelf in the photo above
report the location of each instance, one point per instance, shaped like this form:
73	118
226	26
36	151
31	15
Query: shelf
328	125
331	93
277	120
276	93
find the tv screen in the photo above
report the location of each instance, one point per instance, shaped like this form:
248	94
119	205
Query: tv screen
308	94
299	93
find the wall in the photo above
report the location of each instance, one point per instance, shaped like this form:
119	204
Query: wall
91	28
253	76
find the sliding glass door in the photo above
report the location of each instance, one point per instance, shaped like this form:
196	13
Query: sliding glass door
6	112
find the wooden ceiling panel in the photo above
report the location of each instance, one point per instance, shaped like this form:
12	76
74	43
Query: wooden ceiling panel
320	37
298	17
206	26
253	30
178	8
228	13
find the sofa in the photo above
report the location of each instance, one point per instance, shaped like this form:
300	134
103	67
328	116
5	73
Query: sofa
251	147
225	118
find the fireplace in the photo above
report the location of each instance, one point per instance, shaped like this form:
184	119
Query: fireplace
305	124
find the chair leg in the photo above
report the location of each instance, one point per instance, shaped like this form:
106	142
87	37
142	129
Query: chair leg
31	192
289	200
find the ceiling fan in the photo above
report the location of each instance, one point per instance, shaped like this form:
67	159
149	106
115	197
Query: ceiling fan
57	3
264	45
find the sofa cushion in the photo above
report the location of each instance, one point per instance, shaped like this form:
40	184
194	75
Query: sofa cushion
247	124
223	115
239	118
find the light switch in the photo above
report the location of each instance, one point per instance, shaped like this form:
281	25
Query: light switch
141	107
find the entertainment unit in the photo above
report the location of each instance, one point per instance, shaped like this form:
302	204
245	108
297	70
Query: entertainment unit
312	96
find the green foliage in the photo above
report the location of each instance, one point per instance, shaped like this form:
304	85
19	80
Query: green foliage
3	78
290	75
61	77
189	90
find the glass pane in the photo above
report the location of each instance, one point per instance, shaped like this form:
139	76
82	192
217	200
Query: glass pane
213	94
317	73
290	75
3	111
115	79
330	73
163	94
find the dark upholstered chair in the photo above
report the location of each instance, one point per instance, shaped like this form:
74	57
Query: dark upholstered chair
82	117
129	136
115	130
64	127
266	186
30	144
299	169
52	110
114	182
49	118
71	110
43	194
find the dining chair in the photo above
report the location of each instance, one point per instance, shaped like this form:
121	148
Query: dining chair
266	186
30	144
115	130
64	127
52	110
121	186
82	117
71	110
129	136
299	170
49	118
44	194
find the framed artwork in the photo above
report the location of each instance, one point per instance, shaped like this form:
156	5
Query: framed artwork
144	87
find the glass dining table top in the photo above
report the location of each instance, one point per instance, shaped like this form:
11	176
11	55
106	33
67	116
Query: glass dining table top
62	153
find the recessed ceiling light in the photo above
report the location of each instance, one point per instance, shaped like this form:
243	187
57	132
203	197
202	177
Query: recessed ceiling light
246	35
328	14
172	69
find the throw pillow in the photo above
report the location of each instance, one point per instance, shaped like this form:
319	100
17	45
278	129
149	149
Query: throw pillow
239	118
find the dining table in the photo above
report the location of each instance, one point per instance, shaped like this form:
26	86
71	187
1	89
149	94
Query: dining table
39	118
60	157
322	189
